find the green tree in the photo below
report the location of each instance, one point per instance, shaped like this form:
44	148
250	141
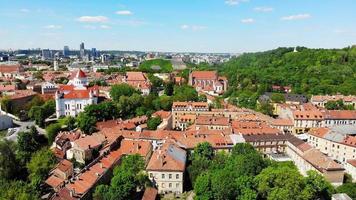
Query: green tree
6	104
52	130
17	190
37	113
86	123
169	88
278	98
153	123
349	189
185	93
204	150
69	122
127	177
28	141
280	182
8	162
243	149
266	108
40	165
121	90
203	187
317	187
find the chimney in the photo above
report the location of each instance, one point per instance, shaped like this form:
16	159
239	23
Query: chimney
101	165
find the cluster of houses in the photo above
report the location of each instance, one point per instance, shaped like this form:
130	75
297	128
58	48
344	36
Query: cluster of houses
327	150
306	133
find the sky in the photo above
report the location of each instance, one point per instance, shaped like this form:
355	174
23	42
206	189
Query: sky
221	26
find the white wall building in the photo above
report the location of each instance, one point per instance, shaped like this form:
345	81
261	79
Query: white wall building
71	99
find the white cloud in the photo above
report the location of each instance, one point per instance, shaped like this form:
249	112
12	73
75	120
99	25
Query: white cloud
234	2
296	17
24	10
184	26
192	27
52	26
105	27
248	21
93	19
124	12
91	27
263	9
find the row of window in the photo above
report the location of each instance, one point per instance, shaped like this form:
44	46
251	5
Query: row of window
163	176
170	185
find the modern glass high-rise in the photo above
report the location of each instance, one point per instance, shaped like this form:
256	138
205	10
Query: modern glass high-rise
94	53
82	50
65	51
46	54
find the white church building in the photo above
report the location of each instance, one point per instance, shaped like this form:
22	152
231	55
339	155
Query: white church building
71	99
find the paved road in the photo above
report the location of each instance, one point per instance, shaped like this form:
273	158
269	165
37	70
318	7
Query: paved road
23	127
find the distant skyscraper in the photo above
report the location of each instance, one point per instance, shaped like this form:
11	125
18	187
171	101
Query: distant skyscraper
94	53
65	51
46	54
82	50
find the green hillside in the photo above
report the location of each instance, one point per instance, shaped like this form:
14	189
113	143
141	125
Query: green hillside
156	65
308	71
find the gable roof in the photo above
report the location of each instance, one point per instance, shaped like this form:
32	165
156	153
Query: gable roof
205	75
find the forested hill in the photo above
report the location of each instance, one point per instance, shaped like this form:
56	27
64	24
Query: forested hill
308	71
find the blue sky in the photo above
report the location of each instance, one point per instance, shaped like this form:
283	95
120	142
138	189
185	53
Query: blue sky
177	25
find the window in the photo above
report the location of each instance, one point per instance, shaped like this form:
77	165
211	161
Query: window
177	185
170	176
170	185
177	176
162	176
151	175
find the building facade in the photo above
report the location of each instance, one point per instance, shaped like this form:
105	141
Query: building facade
71	99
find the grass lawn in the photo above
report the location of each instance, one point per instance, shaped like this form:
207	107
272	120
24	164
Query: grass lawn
163	66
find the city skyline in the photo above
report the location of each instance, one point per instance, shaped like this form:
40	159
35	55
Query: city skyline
230	26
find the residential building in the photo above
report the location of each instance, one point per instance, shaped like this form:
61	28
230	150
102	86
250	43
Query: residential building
339	117
48	88
306	158
166	169
10	69
83	148
338	142
305	120
71	99
212	123
350	168
185	112
321	100
208	81
139	81
61	173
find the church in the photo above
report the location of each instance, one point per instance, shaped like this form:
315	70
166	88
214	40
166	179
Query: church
71	99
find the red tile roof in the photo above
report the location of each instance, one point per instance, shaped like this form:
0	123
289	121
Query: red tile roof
64	165
54	181
205	75
165	160
150	194
340	114
135	76
352	162
319	132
